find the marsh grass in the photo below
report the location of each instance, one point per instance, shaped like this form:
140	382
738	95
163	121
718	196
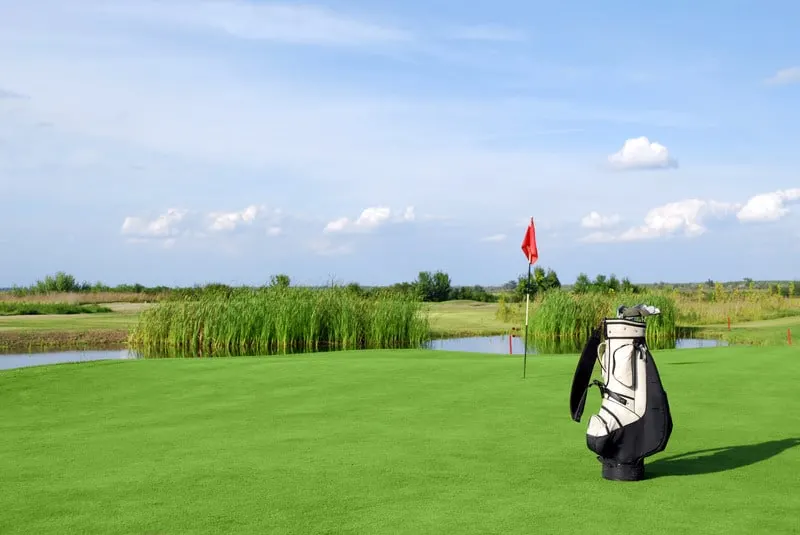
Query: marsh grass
561	321
279	320
705	309
21	308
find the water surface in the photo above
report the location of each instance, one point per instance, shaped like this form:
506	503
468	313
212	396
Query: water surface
499	344
475	344
22	360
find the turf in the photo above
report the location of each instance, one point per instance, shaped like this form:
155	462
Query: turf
466	318
772	332
388	442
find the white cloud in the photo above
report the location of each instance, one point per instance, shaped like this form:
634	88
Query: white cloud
370	219
281	22
595	220
163	226
640	153
226	221
790	75
494	238
687	217
768	206
181	223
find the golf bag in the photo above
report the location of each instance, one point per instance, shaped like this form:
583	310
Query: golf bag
634	419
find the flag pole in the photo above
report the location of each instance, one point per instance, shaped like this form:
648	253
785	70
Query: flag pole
532	254
527	304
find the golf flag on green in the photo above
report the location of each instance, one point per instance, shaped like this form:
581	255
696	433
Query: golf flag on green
531	251
529	244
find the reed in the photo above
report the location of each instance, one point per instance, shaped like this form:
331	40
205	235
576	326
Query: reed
279	320
561	321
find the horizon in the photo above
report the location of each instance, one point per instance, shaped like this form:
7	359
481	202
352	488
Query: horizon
175	142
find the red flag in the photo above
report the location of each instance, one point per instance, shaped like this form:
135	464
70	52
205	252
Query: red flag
529	244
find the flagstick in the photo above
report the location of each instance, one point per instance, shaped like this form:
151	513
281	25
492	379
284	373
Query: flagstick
527	303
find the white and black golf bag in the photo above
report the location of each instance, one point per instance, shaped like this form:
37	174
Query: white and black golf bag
634	419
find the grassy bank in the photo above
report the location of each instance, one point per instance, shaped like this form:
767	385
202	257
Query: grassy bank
280	319
74	331
386	442
451	319
38	309
771	332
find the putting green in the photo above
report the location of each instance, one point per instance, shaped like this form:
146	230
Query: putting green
388	442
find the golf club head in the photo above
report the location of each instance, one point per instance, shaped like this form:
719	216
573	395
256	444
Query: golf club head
638	311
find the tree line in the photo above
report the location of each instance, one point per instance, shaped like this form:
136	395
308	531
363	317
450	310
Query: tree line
430	286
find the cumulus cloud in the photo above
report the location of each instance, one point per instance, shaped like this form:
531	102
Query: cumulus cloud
177	222
227	221
370	219
768	206
595	220
163	226
790	75
687	217
640	153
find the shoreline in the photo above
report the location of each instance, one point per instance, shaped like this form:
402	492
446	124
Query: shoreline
41	341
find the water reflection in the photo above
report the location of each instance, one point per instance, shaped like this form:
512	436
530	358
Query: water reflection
500	344
23	360
476	344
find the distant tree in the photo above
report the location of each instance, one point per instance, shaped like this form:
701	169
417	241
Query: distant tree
582	284
551	280
280	280
510	285
434	287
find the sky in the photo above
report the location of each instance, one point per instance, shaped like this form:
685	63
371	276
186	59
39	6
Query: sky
183	142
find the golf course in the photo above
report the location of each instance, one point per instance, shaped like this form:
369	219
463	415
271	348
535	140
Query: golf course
380	439
387	441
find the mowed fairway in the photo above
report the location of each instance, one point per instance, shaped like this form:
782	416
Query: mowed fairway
388	442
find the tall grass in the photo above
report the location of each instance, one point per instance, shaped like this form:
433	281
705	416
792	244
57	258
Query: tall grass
278	319
704	308
561	321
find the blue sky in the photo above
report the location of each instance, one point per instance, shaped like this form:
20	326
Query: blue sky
182	142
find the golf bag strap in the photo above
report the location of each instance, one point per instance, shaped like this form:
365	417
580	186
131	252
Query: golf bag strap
583	375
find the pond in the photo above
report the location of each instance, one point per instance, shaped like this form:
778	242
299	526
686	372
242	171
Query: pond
477	344
22	360
500	344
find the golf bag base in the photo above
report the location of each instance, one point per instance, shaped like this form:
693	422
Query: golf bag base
616	471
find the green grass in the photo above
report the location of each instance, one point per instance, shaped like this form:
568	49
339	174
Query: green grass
11	308
403	441
277	319
72	322
763	333
465	318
